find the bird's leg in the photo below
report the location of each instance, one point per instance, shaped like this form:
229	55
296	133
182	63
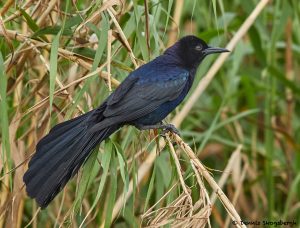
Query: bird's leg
164	127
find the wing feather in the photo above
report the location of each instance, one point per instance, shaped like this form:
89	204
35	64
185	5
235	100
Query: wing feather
143	97
120	92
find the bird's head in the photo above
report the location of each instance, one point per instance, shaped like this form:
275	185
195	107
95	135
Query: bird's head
191	50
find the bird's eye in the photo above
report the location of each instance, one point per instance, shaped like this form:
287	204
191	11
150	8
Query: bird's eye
198	47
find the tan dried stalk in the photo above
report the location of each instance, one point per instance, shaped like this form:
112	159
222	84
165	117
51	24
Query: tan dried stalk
179	172
204	172
62	52
177	213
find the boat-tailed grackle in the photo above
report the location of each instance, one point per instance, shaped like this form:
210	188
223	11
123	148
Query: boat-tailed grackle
143	100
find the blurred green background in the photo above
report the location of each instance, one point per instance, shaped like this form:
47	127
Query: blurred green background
253	101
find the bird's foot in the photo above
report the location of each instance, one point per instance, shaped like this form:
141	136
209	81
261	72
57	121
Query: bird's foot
169	128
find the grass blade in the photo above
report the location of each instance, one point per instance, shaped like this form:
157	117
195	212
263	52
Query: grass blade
53	68
6	160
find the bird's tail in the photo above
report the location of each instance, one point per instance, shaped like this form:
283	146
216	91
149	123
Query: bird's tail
60	154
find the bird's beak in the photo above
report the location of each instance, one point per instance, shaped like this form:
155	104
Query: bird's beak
211	50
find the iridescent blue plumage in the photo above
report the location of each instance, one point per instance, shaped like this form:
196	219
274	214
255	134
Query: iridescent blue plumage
143	99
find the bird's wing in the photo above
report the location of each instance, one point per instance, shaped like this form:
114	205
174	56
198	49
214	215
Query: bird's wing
142	96
122	89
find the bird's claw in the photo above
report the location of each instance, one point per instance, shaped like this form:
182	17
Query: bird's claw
169	128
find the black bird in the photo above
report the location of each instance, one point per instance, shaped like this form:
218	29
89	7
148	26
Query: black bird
143	100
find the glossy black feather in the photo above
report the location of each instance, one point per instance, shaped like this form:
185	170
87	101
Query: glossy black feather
59	156
144	98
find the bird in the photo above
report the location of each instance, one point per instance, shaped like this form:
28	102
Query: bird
144	99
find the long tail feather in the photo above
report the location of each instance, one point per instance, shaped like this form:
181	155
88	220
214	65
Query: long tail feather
60	154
